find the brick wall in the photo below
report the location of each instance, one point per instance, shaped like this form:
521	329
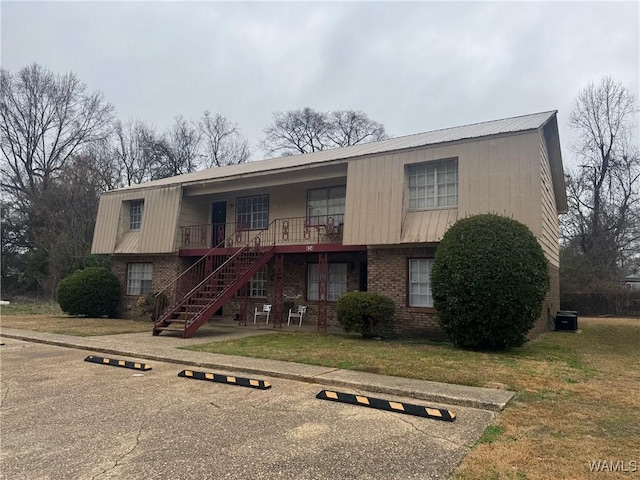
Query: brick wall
295	287
165	269
387	275
551	304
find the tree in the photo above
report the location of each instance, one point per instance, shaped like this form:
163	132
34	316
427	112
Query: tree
604	191
351	128
135	151
307	130
46	120
178	151
223	142
63	219
189	146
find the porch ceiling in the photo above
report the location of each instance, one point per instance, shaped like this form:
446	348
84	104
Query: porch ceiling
266	179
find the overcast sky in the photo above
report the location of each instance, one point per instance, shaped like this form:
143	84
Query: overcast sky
414	66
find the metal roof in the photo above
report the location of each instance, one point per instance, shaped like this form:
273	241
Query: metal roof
476	130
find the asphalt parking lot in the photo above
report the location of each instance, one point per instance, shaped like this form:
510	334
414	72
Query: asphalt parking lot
63	418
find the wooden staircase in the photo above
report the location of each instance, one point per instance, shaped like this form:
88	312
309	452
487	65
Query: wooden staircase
211	282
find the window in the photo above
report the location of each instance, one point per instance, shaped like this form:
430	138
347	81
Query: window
252	212
136	208
420	282
258	283
433	184
139	278
336	281
323	203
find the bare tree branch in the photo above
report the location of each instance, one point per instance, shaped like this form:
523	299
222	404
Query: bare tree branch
223	142
604	192
307	130
44	119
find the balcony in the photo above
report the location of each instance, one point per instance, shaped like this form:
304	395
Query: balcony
293	231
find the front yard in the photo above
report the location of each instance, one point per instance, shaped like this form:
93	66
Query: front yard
47	317
577	396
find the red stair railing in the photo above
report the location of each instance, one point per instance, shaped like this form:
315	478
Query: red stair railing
222	269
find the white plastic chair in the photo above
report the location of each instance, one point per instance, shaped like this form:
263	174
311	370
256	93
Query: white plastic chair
302	309
266	310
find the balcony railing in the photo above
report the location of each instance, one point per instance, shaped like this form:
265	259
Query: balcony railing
285	231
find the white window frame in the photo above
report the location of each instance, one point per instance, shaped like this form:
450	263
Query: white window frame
139	278
252	212
433	184
323	203
336	281
258	284
419	283
136	210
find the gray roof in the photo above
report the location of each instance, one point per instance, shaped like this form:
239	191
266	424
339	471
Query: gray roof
475	130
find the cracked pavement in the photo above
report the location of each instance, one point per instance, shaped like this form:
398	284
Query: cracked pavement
70	419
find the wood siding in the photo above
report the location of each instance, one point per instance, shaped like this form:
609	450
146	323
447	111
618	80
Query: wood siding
495	175
375	190
550	228
159	221
507	174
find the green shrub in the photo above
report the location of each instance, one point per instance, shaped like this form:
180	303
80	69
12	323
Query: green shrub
92	292
152	305
366	313
489	280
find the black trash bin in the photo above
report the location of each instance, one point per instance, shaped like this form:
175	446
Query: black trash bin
567	320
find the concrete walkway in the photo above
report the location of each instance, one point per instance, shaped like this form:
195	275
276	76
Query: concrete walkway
166	349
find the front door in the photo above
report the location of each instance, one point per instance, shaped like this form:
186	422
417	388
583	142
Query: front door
218	219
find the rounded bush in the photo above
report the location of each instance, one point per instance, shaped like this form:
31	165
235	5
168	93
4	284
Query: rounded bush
92	292
489	280
366	313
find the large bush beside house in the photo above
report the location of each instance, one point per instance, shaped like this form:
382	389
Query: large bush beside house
366	313
489	281
92	292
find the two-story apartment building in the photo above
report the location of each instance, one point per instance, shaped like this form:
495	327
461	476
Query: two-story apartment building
304	229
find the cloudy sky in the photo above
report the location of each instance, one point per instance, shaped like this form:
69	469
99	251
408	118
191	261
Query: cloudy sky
414	66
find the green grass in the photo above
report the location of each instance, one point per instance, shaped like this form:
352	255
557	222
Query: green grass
47	317
491	434
414	359
35	308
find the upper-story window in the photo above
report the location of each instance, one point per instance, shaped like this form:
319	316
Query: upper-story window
136	209
323	203
433	184
252	212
